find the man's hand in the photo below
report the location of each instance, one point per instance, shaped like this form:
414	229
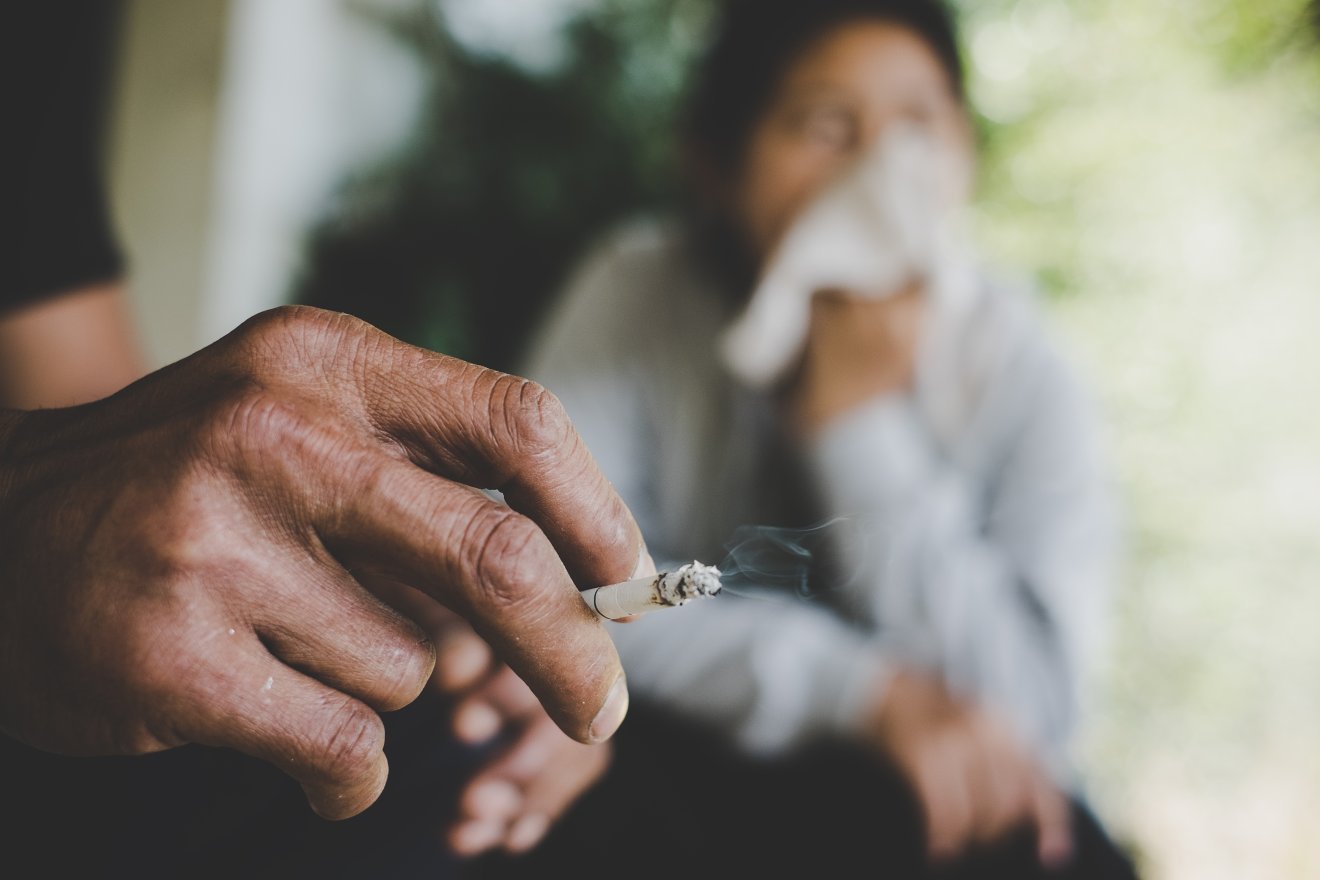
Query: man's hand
858	348
184	561
974	782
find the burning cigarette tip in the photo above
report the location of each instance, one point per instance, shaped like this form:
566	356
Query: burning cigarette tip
688	582
666	589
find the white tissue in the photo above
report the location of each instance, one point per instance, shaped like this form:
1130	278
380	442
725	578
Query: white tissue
890	220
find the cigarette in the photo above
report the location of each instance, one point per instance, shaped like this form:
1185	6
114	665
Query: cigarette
666	589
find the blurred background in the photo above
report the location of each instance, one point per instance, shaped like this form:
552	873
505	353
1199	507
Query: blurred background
437	165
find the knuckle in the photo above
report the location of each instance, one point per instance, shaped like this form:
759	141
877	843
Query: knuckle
512	565
261	426
616	535
266	336
277	327
299	337
351	738
532	417
255	418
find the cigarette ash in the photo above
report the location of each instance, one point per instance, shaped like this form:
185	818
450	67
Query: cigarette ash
688	582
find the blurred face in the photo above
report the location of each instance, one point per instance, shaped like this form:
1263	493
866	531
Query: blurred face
832	105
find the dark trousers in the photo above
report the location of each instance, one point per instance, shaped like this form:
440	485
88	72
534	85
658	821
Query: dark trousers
197	812
674	804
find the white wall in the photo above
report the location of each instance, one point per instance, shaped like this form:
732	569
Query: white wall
163	130
310	90
232	122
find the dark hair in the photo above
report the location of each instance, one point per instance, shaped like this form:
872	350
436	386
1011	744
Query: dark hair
757	41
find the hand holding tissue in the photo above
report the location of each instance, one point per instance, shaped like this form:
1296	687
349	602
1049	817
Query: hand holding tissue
890	220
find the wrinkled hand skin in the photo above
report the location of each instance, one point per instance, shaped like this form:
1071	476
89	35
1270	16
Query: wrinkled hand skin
188	560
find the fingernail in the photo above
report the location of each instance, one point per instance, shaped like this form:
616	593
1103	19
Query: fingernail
611	714
645	565
527	832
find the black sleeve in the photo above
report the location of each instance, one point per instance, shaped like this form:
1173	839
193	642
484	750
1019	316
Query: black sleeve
55	231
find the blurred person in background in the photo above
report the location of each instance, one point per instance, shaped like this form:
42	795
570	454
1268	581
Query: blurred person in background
180	579
937	687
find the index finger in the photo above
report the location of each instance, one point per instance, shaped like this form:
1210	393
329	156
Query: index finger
495	431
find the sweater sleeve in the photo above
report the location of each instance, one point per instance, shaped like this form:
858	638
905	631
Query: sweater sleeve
55	231
999	584
768	674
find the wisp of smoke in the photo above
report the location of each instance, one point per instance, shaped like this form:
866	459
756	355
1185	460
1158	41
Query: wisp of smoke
768	562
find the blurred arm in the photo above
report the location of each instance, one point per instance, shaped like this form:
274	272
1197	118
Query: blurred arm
1000	587
64	330
69	349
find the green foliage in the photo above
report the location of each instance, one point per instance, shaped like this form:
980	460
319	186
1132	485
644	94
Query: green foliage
1153	164
463	237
